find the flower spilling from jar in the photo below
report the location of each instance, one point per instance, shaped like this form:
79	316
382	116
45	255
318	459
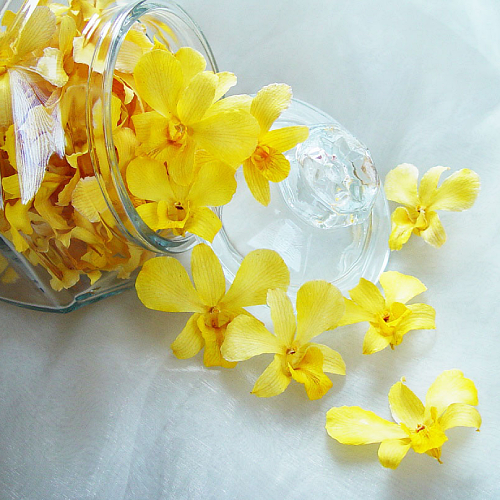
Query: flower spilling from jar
176	140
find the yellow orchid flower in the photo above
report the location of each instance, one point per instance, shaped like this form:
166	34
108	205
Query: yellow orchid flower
418	215
163	284
267	162
181	95
390	318
319	307
179	208
449	403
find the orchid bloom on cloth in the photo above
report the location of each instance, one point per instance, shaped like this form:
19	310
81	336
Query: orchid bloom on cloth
418	215
181	208
267	162
319	307
390	318
449	403
163	284
184	119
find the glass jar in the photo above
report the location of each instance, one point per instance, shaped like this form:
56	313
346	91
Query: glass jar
70	232
59	138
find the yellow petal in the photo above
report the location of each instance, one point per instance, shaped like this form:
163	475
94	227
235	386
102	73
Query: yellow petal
332	360
11	186
159	79
83	52
203	222
43	205
368	296
405	406
213	356
180	161
9	276
273	380
428	185
88	199
247	337
269	103
400	287
148	212
207	274
260	271
353	425
125	143
458	192
310	373
434	234
320	307
460	415
190	341
284	139
448	388
374	341
257	183
18	216
36	33
230	136
231	103
275	167
67	32
191	61
50	67
128	57
150	129
401	228
392	451
226	80
197	97
163	284
354	314
401	185
64	197
282	316
214	185
5	101
8	18
147	179
422	317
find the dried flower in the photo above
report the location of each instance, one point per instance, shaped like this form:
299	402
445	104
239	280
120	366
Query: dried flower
418	215
390	318
319	308
449	403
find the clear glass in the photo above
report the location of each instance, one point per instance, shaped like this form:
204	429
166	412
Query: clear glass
318	233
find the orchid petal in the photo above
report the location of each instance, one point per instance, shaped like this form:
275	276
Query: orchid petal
320	307
260	271
163	284
273	380
247	337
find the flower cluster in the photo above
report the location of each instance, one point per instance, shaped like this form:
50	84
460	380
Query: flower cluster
177	141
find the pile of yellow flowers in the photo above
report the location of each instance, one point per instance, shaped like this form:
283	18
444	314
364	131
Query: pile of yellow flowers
178	143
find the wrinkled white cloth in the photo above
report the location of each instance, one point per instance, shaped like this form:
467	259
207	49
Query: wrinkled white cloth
93	405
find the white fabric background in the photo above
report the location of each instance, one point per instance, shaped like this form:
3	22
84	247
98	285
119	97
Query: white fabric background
93	405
